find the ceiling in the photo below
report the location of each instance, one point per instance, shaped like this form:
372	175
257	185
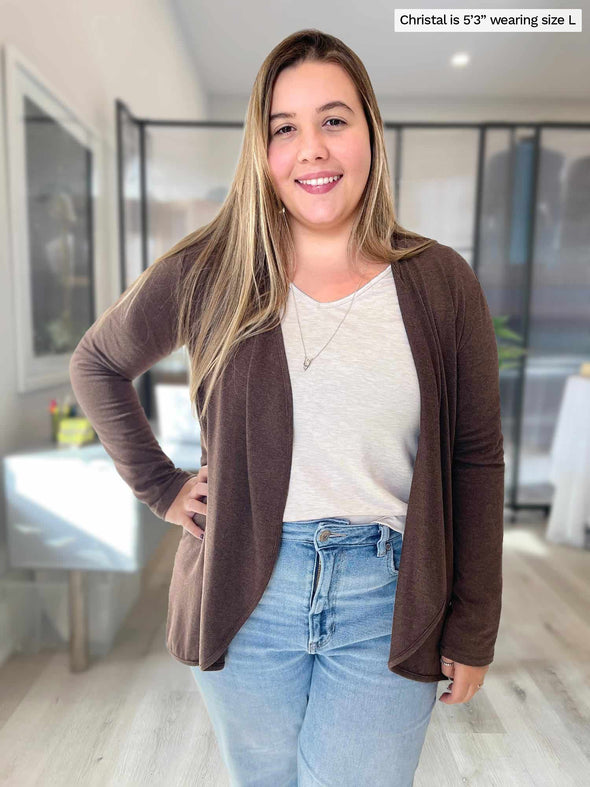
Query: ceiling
229	41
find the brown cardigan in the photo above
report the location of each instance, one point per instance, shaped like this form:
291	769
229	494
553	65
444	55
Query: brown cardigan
450	579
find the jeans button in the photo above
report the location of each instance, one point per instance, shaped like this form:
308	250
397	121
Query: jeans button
324	535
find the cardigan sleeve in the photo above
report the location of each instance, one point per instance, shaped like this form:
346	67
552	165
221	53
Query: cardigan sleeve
472	621
116	349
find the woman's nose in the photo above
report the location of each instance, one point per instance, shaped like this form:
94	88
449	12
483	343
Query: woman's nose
311	145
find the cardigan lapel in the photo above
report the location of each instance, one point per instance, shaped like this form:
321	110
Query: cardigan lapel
421	586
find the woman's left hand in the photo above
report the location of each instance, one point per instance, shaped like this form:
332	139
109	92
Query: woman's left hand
464	681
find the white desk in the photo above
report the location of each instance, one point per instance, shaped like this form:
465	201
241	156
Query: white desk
68	508
570	465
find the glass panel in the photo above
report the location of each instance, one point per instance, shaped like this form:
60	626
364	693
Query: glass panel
506	199
391	137
131	229
189	172
559	330
438	185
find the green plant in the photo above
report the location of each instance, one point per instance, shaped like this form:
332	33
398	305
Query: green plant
507	353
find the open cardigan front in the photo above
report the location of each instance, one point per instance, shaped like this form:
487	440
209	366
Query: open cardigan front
448	597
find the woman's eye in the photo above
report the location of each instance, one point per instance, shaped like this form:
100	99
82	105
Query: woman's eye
279	131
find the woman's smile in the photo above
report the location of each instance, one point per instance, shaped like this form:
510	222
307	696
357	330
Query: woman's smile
322	187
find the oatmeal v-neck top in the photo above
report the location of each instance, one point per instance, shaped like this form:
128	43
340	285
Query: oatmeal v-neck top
356	408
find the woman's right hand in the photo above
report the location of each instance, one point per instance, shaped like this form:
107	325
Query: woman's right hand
187	503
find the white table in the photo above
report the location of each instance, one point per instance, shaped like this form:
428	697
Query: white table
68	508
570	466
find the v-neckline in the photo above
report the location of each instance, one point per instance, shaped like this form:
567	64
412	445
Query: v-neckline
304	296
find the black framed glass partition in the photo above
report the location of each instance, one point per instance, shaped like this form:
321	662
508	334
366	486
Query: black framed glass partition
512	198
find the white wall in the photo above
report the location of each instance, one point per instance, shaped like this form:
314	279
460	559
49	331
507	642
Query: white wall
92	53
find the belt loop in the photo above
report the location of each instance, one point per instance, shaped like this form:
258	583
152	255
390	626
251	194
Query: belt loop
381	544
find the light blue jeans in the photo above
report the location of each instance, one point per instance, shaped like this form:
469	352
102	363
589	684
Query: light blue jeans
305	697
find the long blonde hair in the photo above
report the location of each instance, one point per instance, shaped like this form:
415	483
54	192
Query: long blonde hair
240	261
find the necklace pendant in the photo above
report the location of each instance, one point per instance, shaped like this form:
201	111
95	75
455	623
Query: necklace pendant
306	362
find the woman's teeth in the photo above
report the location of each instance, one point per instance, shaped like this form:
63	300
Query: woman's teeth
319	181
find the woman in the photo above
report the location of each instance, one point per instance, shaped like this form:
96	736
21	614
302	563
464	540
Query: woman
345	373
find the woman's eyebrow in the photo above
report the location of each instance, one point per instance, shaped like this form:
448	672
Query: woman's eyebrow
323	108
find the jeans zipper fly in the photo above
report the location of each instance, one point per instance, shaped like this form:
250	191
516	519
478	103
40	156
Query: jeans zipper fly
317	573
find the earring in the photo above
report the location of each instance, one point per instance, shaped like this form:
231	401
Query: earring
283	209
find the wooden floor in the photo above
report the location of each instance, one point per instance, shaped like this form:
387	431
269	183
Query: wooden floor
136	717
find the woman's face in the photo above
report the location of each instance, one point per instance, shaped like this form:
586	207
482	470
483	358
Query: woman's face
335	140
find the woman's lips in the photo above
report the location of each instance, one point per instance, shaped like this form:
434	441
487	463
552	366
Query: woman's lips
319	189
